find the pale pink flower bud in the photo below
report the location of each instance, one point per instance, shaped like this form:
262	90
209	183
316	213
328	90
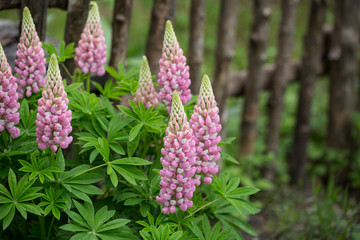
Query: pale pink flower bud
205	123
174	73
146	92
30	61
90	55
177	183
53	118
9	115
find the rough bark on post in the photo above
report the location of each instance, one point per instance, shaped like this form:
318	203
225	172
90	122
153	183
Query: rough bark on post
311	66
38	10
343	73
159	15
120	31
282	72
256	56
226	36
75	21
196	42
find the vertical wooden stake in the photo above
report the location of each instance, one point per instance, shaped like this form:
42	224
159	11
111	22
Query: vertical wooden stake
226	37
256	55
343	73
159	15
196	42
311	66
38	10
282	73
120	31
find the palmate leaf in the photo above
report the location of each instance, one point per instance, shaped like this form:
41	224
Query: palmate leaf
37	168
229	189
125	167
54	202
206	232
91	225
78	182
18	198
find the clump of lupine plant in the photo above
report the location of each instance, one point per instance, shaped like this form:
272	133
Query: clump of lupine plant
205	122
146	92
127	160
91	51
53	118
9	115
177	182
30	61
174	73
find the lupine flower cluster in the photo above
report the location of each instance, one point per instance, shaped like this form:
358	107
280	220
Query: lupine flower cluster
146	92
9	115
177	182
190	149
53	118
30	61
91	51
174	73
205	124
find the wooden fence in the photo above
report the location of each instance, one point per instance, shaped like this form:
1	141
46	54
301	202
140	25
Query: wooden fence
333	52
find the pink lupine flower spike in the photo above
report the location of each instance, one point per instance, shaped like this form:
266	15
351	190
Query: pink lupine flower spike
30	61
174	73
91	51
146	92
177	182
9	115
53	118
205	124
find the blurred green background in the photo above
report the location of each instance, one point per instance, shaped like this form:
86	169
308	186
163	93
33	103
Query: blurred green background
317	209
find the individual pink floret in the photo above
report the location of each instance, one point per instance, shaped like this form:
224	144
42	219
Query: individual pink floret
174	73
177	182
30	61
205	122
53	118
146	92
9	115
91	51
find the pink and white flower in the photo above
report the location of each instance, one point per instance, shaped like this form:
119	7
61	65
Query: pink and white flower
53	118
205	122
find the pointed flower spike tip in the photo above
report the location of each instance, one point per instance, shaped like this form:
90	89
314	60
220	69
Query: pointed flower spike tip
9	107
90	55
146	92
174	72
53	118
177	183
205	122
169	37
30	58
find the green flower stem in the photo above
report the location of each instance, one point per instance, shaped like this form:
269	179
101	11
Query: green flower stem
42	227
67	71
50	227
208	204
5	139
52	159
88	83
90	169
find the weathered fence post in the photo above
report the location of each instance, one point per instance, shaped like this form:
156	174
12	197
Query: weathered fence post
311	66
282	73
77	12
196	42
226	36
343	73
159	15
38	9
120	31
256	55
